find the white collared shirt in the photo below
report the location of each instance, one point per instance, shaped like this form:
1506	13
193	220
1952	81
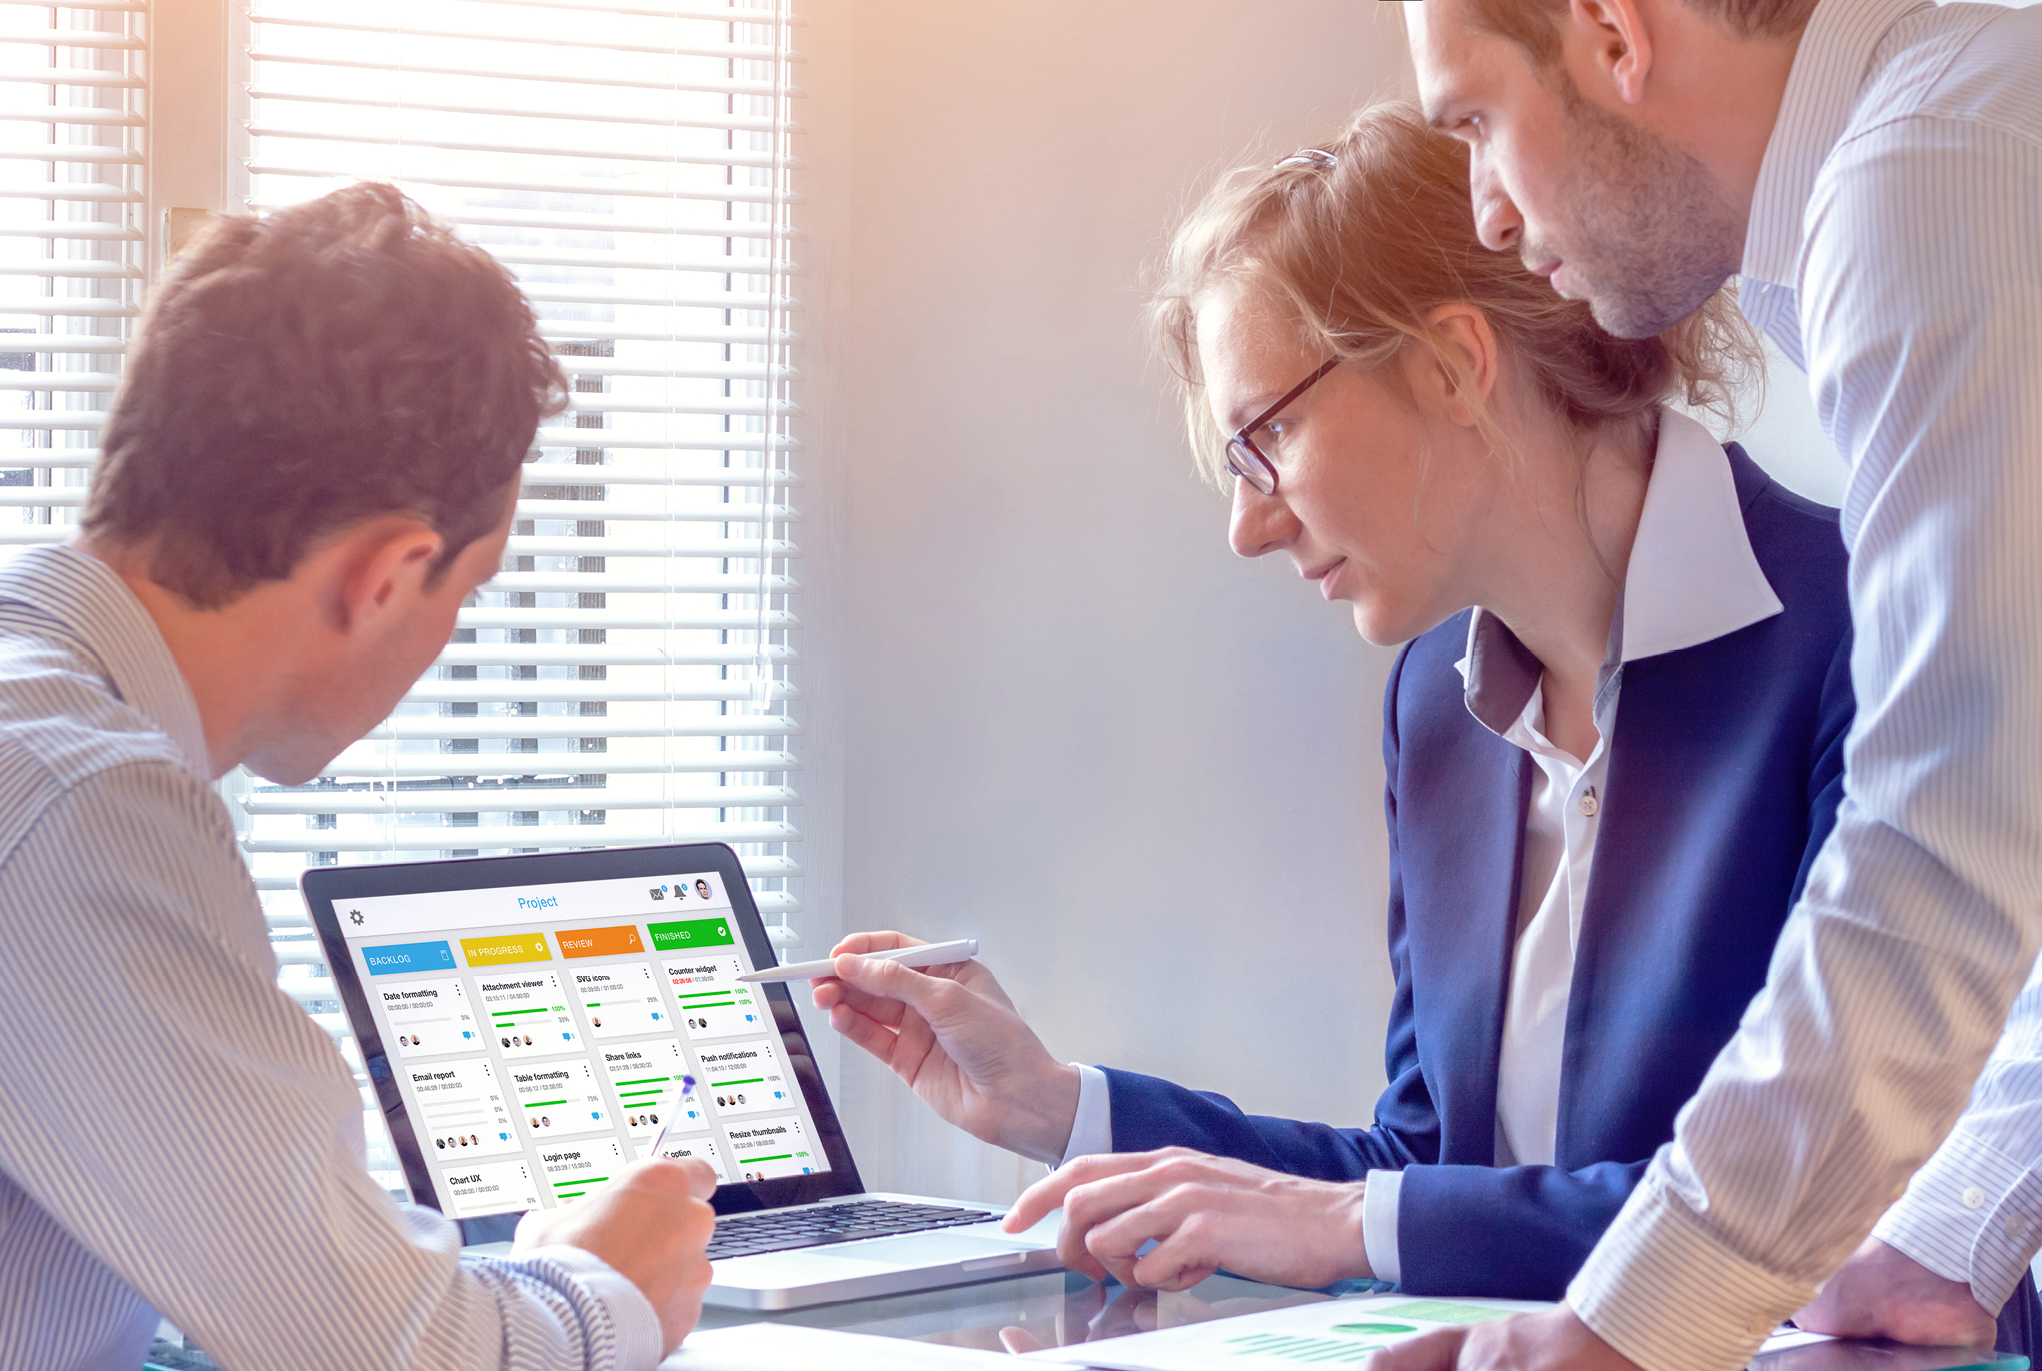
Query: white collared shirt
1894	251
1692	578
177	1136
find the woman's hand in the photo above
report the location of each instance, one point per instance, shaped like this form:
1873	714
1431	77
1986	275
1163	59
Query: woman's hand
1203	1213
952	1034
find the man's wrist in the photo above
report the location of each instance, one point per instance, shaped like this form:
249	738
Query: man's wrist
1667	1295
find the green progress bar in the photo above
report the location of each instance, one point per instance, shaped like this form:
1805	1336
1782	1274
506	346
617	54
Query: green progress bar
749	1080
719	1004
569	1194
783	1157
629	1095
708	994
541	1104
647	1080
1441	1311
1318	1350
512	1013
595	1004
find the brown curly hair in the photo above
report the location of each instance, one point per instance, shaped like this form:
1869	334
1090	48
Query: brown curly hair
304	371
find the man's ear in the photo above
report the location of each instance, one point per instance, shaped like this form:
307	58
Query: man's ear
1459	382
1609	37
374	567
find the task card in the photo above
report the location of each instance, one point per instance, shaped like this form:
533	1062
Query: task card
430	1018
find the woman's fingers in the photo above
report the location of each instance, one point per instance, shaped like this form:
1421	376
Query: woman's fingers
865	1031
1019	1342
1186	1233
828	994
886	940
1124	1195
1048	1194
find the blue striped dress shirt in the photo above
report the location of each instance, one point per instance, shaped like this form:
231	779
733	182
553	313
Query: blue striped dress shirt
176	1134
1895	252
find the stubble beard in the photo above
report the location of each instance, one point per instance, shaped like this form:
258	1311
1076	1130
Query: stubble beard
1653	239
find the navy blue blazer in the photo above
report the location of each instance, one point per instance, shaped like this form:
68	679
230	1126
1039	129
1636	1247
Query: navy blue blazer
1725	771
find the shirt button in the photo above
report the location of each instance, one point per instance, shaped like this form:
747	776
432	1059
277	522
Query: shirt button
1589	804
1973	1198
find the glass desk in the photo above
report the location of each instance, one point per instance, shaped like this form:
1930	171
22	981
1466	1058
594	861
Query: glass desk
1025	1313
1021	1314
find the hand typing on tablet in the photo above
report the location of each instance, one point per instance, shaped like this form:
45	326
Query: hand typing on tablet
1203	1213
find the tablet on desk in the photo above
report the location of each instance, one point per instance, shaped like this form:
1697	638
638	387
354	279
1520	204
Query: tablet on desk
1878	1354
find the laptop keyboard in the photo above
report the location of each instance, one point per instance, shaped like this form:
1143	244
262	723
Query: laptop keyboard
783	1230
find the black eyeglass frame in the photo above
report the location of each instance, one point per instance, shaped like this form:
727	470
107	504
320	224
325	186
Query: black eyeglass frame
1247	461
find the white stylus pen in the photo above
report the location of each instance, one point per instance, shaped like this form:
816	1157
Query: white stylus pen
933	954
673	1113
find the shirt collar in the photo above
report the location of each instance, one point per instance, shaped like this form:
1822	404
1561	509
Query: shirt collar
1829	70
1692	578
94	607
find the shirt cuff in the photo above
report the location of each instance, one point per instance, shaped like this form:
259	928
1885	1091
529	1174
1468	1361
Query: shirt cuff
1379	1201
1092	1128
641	1343
1666	1294
1969	1215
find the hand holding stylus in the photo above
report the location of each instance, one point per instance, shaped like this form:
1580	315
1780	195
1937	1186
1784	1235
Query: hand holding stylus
953	1035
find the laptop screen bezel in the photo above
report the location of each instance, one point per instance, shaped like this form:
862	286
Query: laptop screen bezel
326	887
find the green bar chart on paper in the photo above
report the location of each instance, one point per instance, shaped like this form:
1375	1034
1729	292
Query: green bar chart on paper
1333	1333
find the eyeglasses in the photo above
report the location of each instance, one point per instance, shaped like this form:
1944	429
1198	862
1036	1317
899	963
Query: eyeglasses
1246	460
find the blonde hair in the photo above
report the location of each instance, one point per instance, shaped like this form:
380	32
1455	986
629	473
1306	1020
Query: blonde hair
1361	239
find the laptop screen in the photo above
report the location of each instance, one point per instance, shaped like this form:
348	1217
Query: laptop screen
538	1034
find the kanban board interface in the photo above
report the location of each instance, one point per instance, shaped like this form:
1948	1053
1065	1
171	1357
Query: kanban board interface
538	1036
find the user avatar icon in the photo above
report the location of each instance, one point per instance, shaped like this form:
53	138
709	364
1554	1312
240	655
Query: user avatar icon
528	1040
440	1143
506	1042
597	1022
702	889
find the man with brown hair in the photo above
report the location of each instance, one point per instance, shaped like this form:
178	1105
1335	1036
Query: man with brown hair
313	461
1872	171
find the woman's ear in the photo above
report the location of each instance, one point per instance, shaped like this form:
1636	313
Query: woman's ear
1456	375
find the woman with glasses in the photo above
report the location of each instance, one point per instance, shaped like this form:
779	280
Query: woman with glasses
1614	746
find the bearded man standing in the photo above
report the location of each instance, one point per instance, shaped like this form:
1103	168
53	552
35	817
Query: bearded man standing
1872	169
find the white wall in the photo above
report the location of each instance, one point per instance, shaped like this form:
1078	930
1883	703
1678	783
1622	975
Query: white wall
1144	772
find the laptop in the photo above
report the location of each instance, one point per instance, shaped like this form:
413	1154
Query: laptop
526	1022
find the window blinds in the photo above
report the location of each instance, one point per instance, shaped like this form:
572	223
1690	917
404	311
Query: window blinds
71	200
628	678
